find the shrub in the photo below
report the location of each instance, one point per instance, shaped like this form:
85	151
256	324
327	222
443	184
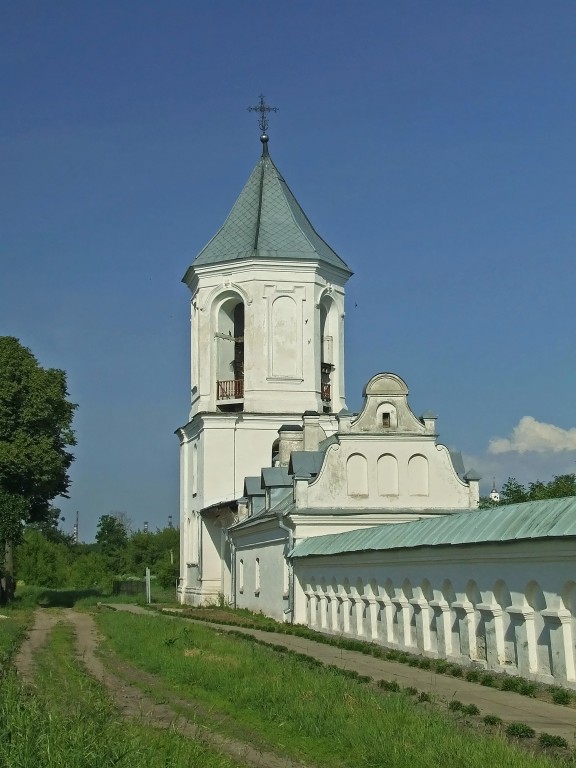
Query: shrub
550	740
488	680
413	662
511	684
410	690
473	675
561	696
520	731
424	663
423	696
455	705
492	720
440	665
455	670
526	688
389	685
470	709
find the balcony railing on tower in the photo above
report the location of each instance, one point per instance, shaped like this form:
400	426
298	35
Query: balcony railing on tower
230	390
325	372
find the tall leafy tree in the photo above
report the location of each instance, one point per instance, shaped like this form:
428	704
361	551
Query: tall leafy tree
35	437
111	540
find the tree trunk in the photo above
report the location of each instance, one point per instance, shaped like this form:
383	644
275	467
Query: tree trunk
7	583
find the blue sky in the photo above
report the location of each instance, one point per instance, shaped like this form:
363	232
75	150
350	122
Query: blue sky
430	143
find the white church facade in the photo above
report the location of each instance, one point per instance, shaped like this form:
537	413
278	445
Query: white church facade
353	524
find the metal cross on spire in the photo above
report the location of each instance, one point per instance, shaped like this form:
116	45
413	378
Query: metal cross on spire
263	109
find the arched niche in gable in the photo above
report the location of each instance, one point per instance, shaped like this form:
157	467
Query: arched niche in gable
387	472
357	475
418	475
386	416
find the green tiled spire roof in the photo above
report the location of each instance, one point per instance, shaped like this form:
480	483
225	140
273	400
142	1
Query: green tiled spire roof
267	222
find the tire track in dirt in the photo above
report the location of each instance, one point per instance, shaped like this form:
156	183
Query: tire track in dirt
134	704
37	636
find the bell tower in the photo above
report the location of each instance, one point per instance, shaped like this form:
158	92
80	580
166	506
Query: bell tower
267	344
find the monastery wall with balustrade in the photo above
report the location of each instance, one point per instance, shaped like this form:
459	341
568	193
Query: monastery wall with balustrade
507	607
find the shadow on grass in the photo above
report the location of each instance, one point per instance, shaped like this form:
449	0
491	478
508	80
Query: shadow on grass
66	598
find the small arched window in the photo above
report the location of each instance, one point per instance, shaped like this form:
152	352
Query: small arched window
257	577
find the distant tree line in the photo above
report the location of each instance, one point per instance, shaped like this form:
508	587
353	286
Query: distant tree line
35	439
47	557
514	492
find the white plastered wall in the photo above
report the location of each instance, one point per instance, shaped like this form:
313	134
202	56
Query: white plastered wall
281	337
506	607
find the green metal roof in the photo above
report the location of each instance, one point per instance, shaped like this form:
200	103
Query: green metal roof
266	222
550	518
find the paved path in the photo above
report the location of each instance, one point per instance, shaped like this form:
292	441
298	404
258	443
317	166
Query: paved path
540	715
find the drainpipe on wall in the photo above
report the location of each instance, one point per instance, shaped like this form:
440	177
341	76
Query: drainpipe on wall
290	532
232	567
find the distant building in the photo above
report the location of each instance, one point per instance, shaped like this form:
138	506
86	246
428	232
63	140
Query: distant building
494	495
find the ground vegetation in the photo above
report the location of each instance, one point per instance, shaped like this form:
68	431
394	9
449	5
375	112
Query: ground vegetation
55	562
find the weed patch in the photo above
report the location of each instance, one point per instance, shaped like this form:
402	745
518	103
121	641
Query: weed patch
550	740
561	696
520	731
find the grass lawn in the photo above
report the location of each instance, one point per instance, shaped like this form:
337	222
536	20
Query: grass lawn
15	621
294	706
68	721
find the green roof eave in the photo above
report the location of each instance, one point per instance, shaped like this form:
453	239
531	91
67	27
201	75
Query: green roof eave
551	518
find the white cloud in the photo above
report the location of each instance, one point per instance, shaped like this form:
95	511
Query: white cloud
532	435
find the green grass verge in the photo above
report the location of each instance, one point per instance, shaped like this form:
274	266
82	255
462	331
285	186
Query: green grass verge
15	622
68	721
313	713
474	674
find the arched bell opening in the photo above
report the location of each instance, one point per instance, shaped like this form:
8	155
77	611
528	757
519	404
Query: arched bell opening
328	341
229	338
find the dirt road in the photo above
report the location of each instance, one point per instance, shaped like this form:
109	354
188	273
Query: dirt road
121	684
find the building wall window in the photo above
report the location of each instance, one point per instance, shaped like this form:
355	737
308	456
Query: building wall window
257	577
